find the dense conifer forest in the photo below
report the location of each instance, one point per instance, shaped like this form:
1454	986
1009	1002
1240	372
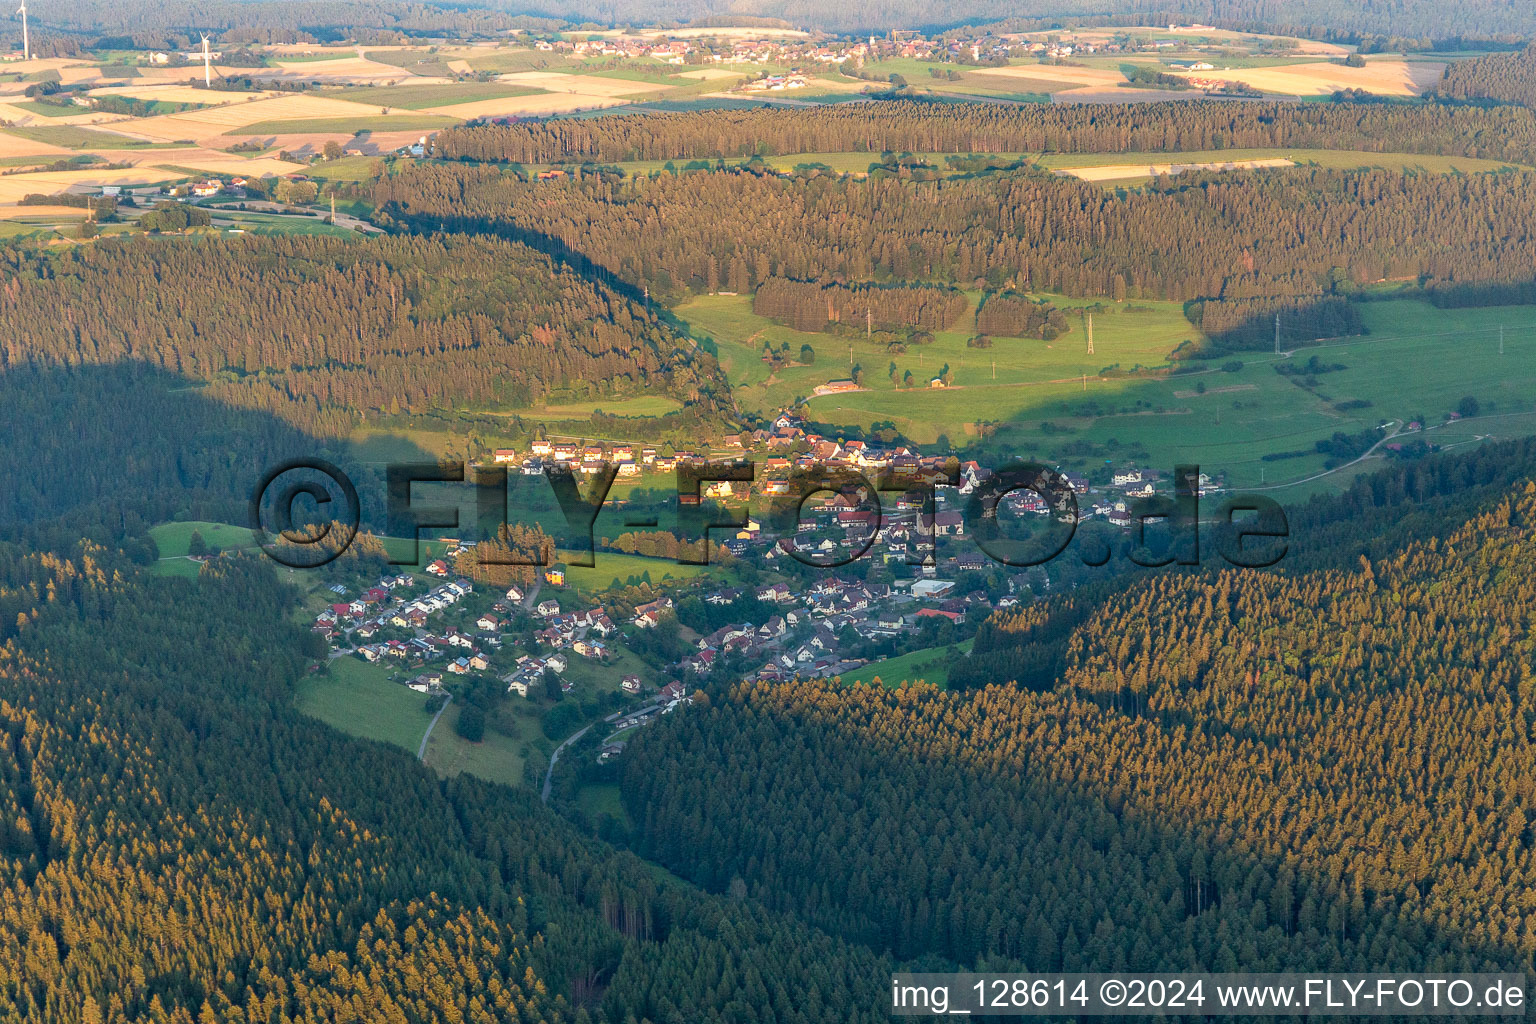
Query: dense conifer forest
322	332
1508	77
1303	231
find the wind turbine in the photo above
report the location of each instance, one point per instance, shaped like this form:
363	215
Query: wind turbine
207	68
26	42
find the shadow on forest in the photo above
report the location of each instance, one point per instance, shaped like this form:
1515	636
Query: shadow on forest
134	443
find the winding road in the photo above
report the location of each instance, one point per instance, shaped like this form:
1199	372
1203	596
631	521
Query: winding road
549	773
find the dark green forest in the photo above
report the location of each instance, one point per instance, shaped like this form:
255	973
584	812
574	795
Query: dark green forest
1298	232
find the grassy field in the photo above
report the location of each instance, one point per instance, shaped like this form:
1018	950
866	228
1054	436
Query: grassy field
72	136
930	665
359	698
278	224
301	125
173	538
1418	362
347	168
614	567
639	405
496	758
1049	400
416	97
595	801
51	109
1016	374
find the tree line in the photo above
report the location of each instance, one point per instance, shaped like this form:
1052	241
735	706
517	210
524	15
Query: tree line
897	126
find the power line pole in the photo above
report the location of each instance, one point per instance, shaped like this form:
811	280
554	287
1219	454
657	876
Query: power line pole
1277	334
869	323
1501	339
1090	334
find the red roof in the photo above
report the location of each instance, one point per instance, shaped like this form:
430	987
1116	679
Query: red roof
928	613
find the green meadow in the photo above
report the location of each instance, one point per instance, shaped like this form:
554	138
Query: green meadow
173	539
1052	400
360	699
930	665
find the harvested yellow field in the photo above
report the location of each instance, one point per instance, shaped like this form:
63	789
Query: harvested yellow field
36	64
1115	172
315	50
215	162
371	142
189	73
460	67
1381	77
733	32
348	68
194	124
581	85
40	212
15	145
14	187
1069	77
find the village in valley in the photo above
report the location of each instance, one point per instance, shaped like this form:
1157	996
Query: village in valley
856	586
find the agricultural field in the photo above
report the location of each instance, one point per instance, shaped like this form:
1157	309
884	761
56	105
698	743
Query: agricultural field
1380	77
613	568
1090	165
414	96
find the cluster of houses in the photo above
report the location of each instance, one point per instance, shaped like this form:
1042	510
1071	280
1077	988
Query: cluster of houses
803	635
235	188
376	608
775	83
787	445
736	51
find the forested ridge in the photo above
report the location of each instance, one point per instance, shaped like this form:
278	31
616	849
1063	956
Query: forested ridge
1303	231
1325	769
919	127
323	332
